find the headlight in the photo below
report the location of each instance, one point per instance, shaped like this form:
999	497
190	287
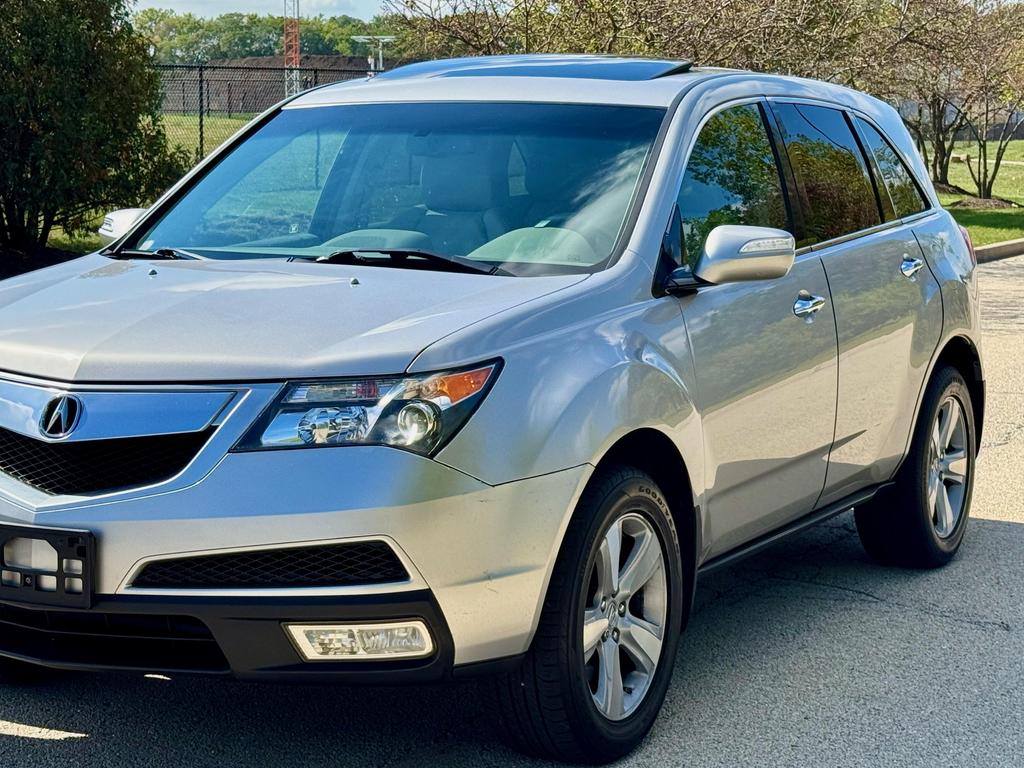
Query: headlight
419	412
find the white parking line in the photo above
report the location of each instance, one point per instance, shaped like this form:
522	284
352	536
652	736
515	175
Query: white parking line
7	728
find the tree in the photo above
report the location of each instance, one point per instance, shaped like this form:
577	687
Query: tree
433	28
927	79
237	35
79	118
175	38
990	104
181	38
333	34
819	38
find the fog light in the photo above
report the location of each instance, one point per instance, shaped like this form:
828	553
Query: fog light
360	642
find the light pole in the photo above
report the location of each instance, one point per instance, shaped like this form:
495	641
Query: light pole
381	41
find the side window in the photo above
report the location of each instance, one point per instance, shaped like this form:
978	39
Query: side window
837	196
731	178
903	190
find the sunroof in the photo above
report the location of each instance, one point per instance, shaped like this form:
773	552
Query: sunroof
579	67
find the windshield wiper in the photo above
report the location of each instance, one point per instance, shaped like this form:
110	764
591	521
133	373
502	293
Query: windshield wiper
160	254
397	255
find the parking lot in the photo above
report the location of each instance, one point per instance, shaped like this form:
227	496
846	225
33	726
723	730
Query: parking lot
808	655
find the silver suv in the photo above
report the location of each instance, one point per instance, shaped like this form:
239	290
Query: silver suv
474	368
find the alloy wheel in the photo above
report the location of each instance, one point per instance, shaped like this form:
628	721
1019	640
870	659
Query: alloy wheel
624	615
948	467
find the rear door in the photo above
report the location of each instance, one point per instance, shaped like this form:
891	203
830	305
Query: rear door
765	375
853	192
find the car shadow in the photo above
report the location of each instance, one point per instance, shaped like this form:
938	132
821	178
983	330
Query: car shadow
807	654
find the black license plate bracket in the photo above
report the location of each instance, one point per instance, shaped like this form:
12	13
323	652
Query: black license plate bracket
63	578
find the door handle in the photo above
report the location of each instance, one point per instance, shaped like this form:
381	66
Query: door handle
909	267
807	305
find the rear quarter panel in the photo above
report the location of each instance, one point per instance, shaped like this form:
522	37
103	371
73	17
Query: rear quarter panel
950	262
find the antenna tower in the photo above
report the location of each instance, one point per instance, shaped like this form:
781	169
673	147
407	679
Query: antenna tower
292	50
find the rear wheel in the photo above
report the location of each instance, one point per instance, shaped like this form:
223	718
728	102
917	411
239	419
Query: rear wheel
920	521
596	674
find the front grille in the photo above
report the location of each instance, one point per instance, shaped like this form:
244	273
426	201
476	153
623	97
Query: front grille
329	565
95	466
147	642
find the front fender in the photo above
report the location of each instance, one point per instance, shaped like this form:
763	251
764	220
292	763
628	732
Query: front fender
564	399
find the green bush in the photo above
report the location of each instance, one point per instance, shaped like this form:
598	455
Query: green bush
80	128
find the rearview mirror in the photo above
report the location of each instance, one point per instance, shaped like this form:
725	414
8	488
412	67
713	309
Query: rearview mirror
117	223
734	253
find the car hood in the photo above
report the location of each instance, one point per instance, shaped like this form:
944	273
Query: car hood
97	320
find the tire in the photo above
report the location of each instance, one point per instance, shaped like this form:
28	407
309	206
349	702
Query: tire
908	523
551	705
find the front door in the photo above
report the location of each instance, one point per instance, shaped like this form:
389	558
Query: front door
765	352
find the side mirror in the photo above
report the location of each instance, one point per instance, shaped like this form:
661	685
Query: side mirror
117	223
735	253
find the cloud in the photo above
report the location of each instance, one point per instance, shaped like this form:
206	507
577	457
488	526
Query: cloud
364	9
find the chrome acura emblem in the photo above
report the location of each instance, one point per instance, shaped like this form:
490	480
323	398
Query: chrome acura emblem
60	416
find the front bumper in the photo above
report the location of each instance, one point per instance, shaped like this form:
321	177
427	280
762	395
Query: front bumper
479	558
218	636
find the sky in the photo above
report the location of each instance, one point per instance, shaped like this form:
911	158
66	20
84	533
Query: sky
363	9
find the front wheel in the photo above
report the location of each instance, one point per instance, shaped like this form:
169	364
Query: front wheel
597	672
920	521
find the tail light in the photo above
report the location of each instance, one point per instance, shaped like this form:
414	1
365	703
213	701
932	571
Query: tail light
970	245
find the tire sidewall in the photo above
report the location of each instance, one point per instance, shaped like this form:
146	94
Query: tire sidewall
639	495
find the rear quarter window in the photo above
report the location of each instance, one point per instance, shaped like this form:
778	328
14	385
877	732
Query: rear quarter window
906	196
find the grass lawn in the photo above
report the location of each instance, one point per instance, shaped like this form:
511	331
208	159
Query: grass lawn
1009	182
991	225
987	226
1014	150
83	244
184	131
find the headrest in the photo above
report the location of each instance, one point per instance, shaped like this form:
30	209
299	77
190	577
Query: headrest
556	170
459	175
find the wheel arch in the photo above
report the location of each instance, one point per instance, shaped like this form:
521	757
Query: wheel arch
961	353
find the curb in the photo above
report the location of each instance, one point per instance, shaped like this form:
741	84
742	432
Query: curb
997	251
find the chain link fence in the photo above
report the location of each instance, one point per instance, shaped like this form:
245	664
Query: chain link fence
204	105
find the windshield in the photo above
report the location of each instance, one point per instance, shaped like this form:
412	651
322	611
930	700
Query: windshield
527	188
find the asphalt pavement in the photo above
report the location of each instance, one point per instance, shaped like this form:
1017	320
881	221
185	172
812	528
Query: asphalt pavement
808	655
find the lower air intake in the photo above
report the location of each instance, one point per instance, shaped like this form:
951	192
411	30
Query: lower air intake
329	565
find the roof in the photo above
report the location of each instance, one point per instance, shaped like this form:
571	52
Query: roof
529	77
